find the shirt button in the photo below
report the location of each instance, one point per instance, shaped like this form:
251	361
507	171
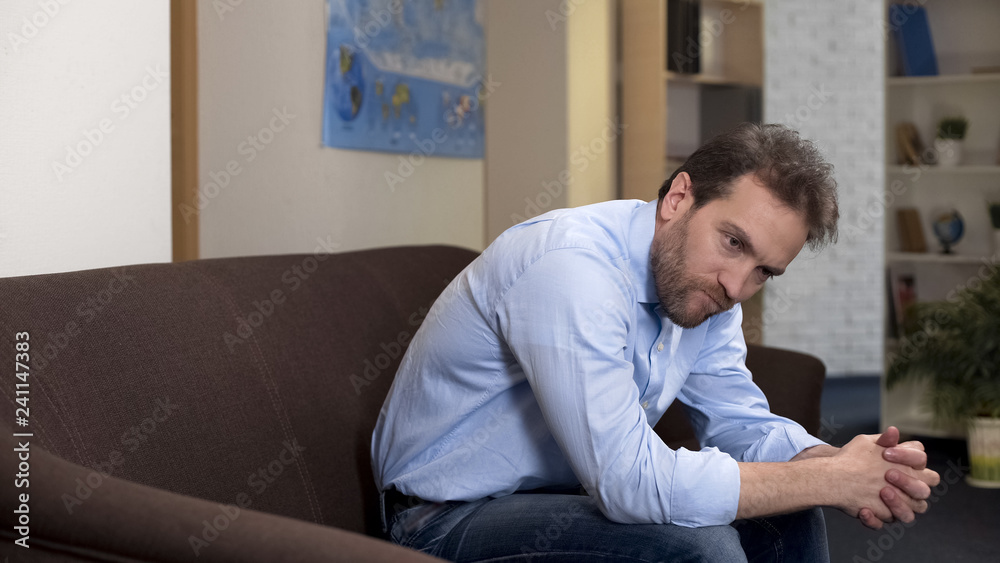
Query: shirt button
645	404
659	347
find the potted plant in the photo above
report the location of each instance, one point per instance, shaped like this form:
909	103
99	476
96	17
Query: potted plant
948	143
994	207
956	351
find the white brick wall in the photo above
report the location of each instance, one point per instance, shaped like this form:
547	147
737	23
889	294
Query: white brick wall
824	70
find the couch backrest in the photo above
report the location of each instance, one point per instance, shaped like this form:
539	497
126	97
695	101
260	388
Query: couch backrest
257	376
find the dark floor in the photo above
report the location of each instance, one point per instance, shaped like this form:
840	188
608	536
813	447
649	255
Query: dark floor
963	523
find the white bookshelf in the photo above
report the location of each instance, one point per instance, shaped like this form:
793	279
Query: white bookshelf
965	38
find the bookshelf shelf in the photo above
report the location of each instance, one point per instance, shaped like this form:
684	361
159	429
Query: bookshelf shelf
715	80
903	81
930	257
936	170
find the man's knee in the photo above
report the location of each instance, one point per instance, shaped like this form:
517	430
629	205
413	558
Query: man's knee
715	544
799	536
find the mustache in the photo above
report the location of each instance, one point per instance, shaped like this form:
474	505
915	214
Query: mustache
718	295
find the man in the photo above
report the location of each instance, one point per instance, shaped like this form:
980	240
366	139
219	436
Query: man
545	364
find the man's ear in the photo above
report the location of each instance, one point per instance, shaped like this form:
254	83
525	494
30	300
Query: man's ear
678	199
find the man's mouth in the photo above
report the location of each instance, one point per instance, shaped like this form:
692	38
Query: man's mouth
717	302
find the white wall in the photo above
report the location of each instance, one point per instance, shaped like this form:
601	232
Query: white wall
64	70
263	57
824	72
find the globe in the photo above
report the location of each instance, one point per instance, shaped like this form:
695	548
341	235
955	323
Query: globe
949	228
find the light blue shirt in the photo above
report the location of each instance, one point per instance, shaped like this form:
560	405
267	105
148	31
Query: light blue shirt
547	362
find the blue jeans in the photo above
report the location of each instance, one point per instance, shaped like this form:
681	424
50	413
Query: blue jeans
570	528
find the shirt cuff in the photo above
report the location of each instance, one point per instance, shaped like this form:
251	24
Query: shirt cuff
705	490
781	444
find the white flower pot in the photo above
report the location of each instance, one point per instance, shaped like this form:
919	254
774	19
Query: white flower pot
949	152
984	453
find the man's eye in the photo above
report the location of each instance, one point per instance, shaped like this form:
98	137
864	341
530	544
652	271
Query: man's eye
734	242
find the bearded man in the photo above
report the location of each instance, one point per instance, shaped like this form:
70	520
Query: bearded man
545	364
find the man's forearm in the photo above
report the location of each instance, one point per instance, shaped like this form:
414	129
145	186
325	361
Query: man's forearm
851	478
767	488
777	488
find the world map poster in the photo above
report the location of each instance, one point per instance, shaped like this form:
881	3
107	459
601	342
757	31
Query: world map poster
405	76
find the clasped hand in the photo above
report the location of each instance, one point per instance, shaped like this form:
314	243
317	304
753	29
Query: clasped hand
887	480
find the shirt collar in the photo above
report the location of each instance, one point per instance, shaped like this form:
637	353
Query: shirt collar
640	237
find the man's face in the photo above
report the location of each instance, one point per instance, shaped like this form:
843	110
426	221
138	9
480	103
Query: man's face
706	261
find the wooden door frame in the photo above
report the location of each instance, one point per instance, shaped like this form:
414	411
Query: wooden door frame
184	213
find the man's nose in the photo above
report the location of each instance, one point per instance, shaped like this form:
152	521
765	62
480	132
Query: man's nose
736	281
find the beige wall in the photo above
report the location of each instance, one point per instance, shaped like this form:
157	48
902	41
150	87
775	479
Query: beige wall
85	147
593	131
265	60
548	139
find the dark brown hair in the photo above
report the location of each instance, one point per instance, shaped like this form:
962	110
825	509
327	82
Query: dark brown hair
791	167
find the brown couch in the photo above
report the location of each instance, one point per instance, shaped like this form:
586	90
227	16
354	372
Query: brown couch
221	410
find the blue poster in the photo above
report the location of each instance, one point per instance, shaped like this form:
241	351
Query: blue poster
405	76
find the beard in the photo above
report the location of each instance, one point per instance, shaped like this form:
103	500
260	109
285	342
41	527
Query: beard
676	289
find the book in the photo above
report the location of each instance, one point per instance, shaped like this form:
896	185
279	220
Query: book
912	32
911	231
904	296
683	36
910	146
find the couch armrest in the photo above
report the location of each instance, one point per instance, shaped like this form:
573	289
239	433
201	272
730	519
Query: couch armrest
791	381
118	520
